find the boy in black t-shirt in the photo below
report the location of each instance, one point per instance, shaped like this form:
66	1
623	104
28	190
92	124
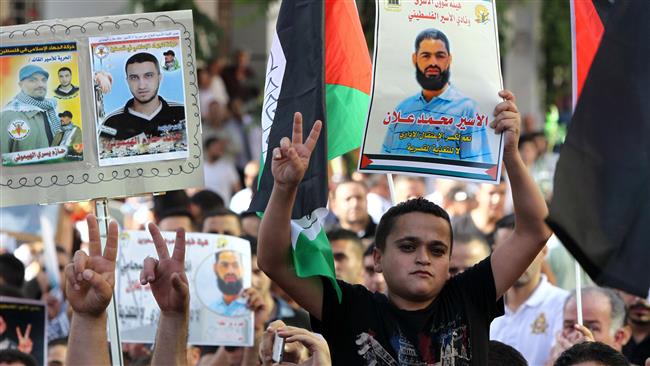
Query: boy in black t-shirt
427	317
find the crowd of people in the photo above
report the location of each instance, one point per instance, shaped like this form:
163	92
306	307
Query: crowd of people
451	272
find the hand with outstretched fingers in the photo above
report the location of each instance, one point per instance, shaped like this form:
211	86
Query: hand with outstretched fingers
507	121
255	303
25	343
166	275
291	158
90	278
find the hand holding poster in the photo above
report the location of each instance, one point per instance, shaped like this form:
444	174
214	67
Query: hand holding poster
438	122
218	267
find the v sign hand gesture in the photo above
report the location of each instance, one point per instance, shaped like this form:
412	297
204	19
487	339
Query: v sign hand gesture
291	159
25	343
166	275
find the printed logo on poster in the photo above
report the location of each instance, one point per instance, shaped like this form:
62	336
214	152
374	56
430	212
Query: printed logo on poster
19	129
482	14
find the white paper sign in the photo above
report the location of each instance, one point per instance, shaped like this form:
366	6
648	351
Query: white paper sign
218	267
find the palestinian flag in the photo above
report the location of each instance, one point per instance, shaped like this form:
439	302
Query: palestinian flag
318	58
601	201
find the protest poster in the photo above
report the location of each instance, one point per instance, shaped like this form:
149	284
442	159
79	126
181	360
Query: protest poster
218	267
22	326
166	159
142	117
436	80
40	119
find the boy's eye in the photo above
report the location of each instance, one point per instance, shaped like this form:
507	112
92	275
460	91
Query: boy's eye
407	247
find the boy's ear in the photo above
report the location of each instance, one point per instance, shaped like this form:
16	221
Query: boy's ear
376	255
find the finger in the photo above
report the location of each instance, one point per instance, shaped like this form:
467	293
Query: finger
310	144
69	274
296	137
19	333
505	115
80	259
505	106
94	245
178	283
148	273
158	241
507	95
103	289
285	143
28	330
179	246
277	153
266	346
110	250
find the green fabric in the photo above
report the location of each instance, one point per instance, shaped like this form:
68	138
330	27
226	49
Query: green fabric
347	109
315	258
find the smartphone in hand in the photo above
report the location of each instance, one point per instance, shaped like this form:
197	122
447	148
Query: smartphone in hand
278	349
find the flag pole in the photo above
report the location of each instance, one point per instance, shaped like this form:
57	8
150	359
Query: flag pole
391	188
574	95
101	212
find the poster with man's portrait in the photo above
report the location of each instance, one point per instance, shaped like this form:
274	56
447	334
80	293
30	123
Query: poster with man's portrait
139	97
435	85
40	108
218	268
22	327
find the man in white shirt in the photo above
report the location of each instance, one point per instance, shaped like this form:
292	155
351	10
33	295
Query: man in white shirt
219	171
533	307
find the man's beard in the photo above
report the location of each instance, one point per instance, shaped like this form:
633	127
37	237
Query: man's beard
229	288
634	319
435	82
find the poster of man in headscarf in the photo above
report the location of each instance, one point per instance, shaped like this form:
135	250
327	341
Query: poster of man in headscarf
40	115
435	85
139	97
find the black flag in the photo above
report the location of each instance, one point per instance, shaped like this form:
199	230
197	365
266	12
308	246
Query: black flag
601	202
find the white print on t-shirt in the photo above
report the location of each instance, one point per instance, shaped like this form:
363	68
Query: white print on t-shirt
372	351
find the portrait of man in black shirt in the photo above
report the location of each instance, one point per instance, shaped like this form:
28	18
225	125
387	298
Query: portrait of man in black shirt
147	114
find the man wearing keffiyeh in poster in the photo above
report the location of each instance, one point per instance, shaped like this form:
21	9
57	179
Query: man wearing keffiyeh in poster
29	121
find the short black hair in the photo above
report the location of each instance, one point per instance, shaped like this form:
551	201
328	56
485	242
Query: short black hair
253	240
12	270
419	204
14	355
221	211
502	354
431	33
207	200
141	57
171	200
591	351
342	234
369	250
171	212
169	52
61	341
65	68
209	141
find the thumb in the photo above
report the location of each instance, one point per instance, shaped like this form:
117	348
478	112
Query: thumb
98	283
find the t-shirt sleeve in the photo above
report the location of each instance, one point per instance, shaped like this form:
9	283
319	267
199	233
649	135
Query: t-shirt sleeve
335	316
477	284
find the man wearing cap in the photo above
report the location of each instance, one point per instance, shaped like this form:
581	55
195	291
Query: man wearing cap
29	121
70	135
66	89
171	63
147	114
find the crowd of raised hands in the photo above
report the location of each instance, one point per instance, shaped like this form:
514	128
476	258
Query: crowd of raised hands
89	289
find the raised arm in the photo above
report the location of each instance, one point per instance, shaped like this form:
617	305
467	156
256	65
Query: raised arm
290	161
89	288
512	258
169	286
